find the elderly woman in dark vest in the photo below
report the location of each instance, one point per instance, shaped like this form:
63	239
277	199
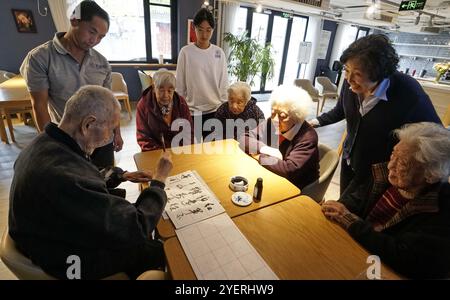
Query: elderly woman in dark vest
403	215
375	99
240	109
161	114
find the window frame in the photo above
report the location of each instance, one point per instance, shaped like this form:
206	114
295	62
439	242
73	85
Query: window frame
148	37
250	10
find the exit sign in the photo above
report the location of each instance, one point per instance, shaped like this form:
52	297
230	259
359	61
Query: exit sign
412	5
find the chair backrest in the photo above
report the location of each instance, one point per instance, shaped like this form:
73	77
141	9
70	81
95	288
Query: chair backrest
5	75
307	86
146	80
324	85
446	119
19	264
23	267
118	83
328	160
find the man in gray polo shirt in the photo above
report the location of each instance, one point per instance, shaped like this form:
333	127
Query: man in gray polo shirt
54	71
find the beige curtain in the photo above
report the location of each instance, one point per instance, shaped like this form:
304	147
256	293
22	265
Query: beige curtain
61	11
227	15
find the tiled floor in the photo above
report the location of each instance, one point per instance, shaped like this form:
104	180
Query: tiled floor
329	135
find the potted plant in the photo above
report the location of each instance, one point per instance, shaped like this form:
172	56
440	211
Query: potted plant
441	69
248	58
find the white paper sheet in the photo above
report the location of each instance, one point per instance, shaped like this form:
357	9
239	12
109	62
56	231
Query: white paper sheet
189	199
217	249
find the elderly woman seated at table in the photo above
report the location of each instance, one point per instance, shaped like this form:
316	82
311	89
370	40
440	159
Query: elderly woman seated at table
240	106
162	114
404	215
286	144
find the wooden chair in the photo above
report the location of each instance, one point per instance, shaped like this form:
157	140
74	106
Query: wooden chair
446	119
328	160
312	91
120	91
327	89
146	80
24	269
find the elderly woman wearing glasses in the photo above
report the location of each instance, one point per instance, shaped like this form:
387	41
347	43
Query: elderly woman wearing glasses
286	144
161	114
240	106
403	216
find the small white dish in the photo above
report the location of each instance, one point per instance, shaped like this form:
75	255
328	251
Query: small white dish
241	199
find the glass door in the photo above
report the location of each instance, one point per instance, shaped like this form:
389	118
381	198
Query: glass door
298	32
260	26
278	43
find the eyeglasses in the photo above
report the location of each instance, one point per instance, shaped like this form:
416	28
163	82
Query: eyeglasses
207	30
281	114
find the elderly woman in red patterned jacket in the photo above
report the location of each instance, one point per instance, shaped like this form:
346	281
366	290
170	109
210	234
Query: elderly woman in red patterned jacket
162	114
403	216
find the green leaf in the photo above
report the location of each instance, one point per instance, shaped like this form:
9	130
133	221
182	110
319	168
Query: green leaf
248	58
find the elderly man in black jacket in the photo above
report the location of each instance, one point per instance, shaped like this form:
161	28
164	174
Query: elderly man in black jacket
61	205
404	214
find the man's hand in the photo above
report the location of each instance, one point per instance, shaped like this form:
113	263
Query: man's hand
164	167
138	176
337	212
118	141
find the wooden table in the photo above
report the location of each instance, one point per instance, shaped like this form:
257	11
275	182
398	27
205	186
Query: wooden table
222	160
13	95
296	241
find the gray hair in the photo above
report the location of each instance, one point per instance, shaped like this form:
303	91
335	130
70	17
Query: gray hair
163	77
91	100
296	101
241	88
433	148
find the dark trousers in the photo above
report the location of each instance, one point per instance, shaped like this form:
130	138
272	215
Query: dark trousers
201	119
347	175
103	157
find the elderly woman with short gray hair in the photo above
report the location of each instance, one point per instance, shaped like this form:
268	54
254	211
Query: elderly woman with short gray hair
240	106
403	216
286	144
156	111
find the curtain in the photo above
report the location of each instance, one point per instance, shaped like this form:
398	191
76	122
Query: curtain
61	11
228	13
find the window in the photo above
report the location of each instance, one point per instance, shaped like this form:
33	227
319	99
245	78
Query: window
140	30
160	28
260	24
298	33
125	29
284	32
240	24
278	42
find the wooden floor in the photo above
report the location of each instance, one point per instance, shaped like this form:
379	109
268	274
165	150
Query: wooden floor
329	135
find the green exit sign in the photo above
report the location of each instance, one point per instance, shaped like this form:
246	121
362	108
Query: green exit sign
412	5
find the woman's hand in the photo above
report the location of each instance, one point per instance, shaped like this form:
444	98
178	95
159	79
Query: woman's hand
337	212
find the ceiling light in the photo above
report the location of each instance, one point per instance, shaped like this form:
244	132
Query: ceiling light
206	3
259	8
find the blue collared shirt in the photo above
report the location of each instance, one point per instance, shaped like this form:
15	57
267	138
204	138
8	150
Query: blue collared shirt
379	94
